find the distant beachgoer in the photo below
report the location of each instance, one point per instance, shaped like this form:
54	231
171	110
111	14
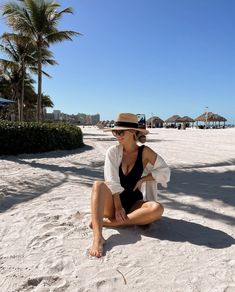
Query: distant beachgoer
128	196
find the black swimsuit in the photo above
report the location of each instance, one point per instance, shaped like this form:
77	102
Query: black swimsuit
128	196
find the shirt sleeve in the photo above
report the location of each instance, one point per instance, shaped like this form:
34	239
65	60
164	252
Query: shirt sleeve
160	171
111	171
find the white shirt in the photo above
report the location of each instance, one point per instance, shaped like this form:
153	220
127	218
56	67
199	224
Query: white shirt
160	172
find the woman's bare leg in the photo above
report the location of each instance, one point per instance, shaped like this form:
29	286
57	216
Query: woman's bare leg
142	213
101	204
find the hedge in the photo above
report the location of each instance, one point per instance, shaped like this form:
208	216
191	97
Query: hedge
17	138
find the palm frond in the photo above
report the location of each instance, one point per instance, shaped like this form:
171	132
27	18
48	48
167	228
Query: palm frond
17	18
6	64
19	38
57	16
59	36
46	74
46	61
34	70
9	50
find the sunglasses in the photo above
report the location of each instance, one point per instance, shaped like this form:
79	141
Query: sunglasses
119	133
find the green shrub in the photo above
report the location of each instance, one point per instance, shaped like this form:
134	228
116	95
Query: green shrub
16	138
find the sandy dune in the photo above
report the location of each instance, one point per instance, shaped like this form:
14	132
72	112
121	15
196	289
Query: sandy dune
44	216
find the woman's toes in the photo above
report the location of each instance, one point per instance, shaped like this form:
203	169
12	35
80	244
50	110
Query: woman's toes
97	248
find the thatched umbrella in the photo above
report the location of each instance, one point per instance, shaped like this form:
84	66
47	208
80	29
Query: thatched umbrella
187	119
218	118
210	117
173	120
155	122
205	117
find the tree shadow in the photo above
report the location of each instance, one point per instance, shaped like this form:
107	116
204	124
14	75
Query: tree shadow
50	154
12	196
208	186
95	135
82	170
106	139
154	140
84	175
170	229
230	162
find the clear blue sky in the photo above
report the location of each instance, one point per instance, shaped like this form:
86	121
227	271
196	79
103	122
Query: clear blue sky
146	56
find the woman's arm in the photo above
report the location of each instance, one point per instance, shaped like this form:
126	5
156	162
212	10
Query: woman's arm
120	213
158	169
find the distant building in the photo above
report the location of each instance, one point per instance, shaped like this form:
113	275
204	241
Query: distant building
95	119
88	119
50	116
57	115
80	118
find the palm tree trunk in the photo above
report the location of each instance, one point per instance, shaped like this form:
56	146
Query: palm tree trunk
16	97
39	100
22	93
18	103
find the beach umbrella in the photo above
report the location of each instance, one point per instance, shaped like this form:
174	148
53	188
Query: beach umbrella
205	117
210	117
155	121
4	101
187	119
173	119
218	118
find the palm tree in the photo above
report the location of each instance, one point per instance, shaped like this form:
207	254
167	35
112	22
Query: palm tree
22	54
31	103
39	20
46	102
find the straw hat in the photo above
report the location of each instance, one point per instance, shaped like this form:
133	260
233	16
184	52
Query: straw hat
126	121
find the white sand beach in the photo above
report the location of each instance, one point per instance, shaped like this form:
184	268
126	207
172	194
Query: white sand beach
45	212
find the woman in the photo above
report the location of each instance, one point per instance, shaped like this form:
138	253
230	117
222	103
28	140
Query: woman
127	197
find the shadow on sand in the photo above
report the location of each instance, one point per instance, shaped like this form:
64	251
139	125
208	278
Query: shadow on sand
83	174
174	230
208	186
50	154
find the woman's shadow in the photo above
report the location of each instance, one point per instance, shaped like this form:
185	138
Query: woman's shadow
176	230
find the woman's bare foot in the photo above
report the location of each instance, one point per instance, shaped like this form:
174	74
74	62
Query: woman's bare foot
97	247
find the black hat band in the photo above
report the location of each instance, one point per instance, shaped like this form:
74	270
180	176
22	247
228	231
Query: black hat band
126	124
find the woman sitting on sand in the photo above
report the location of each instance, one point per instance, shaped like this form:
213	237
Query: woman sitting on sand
127	197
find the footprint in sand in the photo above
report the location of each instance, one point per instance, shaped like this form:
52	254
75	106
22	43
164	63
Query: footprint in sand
54	282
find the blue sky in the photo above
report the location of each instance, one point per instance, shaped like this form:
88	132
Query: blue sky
160	57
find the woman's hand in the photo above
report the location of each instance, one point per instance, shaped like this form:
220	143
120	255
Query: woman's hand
138	185
120	215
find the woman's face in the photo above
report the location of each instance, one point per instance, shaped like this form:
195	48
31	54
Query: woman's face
123	136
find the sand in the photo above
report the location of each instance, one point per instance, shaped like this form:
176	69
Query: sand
45	212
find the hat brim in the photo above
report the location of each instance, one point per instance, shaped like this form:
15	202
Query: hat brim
144	131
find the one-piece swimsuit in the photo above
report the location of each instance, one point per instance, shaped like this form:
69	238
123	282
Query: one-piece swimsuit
129	197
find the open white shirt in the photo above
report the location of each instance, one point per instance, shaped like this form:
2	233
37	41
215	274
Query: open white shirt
160	172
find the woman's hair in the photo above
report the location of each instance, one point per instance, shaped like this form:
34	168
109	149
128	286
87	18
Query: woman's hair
140	137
